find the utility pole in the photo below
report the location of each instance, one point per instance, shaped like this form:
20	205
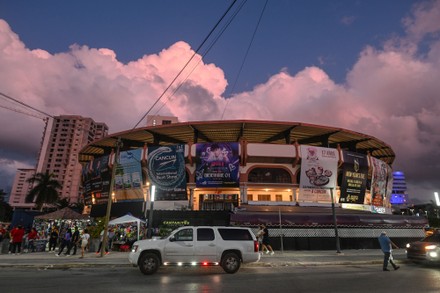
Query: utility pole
110	194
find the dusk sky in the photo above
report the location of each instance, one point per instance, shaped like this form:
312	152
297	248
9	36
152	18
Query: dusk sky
371	66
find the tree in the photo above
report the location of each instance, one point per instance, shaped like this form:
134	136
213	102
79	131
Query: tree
5	208
45	189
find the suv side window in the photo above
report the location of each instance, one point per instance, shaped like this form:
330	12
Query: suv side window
235	234
205	234
184	235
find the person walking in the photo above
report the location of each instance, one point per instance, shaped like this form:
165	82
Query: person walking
266	242
84	241
74	241
65	242
259	235
101	239
53	239
386	245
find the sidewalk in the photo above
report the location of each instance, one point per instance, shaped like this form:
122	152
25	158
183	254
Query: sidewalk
46	260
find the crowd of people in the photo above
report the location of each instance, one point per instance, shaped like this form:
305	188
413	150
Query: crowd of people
23	240
63	239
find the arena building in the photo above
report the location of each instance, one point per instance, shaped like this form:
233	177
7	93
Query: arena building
284	174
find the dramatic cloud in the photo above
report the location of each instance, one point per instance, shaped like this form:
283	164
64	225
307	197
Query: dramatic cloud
391	93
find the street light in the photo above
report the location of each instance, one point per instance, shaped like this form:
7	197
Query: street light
150	214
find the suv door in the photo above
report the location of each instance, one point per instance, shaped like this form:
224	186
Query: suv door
179	247
206	247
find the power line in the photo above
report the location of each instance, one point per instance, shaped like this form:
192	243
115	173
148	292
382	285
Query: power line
21	112
222	30
245	57
26	105
180	72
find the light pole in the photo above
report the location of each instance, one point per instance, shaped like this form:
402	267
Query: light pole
150	214
338	246
437	202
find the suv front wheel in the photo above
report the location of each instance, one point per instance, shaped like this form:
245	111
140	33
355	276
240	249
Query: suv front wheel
149	263
230	263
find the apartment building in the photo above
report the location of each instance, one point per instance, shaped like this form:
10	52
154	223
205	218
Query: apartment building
20	188
63	138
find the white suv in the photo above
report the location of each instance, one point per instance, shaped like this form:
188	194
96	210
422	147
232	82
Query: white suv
197	246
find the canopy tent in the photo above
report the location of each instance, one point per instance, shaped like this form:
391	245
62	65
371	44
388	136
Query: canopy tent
127	219
63	214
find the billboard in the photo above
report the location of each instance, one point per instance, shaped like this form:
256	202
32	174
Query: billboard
166	170
128	176
217	164
354	178
96	177
378	182
318	173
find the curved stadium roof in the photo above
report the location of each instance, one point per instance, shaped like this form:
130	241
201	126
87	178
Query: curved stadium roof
253	131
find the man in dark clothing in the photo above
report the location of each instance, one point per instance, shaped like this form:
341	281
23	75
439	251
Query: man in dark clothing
73	241
386	245
65	242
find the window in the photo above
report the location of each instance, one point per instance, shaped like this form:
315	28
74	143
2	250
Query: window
205	234
184	235
235	234
250	197
269	175
264	197
278	197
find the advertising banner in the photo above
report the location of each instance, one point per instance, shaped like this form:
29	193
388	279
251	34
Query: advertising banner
354	178
128	177
96	181
378	182
166	170
319	168
217	165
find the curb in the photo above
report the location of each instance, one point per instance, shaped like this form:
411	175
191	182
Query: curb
256	264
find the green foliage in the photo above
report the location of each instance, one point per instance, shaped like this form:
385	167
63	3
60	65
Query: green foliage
45	189
96	229
5	209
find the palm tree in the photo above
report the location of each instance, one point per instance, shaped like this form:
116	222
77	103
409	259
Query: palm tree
45	189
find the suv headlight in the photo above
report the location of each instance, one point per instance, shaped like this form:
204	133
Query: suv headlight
408	245
134	248
431	247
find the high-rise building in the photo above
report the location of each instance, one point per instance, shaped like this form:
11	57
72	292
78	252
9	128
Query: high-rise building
399	195
21	188
63	138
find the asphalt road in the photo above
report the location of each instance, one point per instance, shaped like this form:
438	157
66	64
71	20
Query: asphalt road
351	278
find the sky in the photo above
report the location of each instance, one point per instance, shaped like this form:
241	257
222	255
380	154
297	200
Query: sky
371	66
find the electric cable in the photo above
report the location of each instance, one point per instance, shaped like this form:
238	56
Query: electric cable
180	72
245	57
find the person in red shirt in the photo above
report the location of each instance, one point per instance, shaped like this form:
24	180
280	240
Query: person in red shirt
2	233
32	236
17	237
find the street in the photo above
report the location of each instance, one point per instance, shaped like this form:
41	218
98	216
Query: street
351	278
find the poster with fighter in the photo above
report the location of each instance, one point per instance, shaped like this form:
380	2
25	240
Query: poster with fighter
354	178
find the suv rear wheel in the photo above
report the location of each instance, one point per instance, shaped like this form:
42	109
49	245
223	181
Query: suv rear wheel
149	263
230	262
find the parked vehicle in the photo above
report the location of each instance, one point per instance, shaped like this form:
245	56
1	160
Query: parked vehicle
427	249
227	247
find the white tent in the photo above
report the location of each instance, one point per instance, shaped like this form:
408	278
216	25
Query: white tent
127	219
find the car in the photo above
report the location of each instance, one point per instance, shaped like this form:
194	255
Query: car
227	247
427	249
